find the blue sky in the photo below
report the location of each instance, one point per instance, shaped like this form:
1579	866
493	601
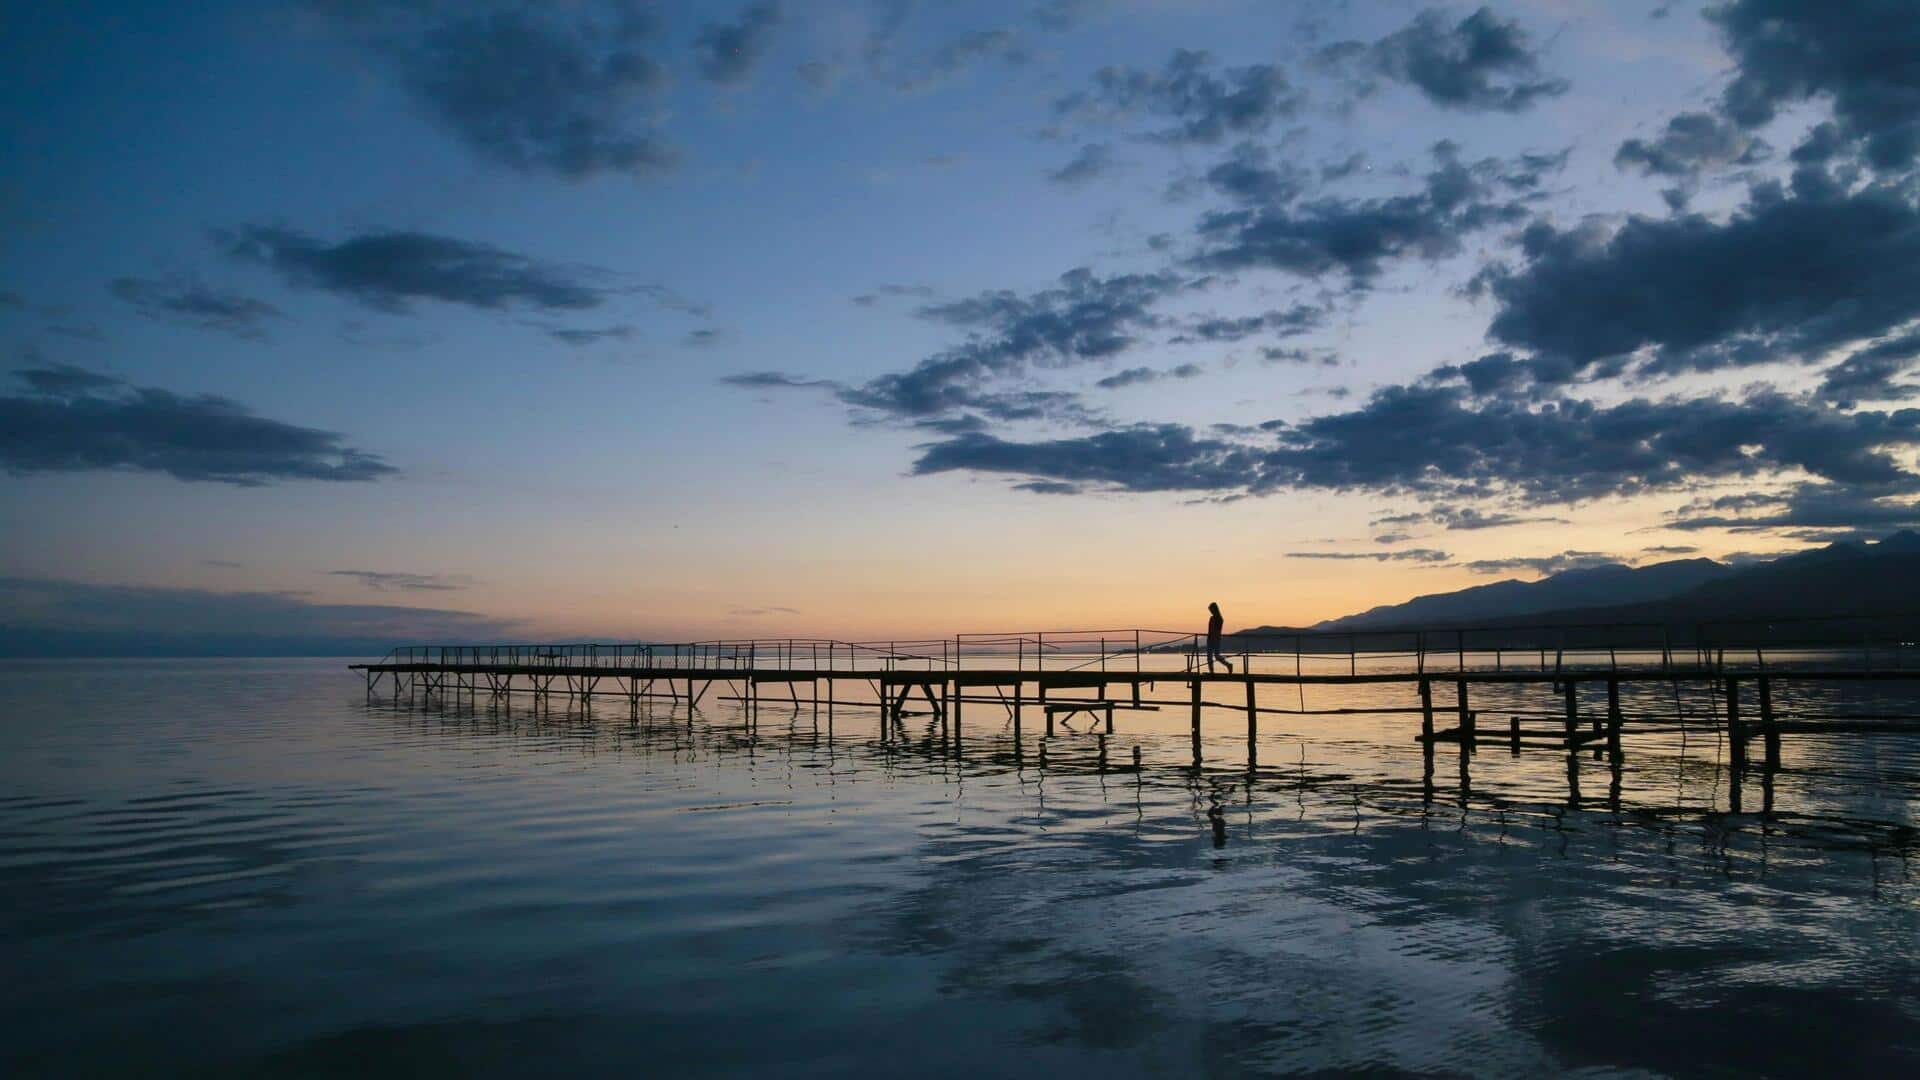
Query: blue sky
874	318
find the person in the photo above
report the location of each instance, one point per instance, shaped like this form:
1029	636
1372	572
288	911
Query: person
1214	622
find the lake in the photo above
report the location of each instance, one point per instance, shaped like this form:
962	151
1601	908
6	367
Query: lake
247	867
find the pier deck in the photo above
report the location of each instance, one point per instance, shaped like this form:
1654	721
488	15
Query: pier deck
1061	675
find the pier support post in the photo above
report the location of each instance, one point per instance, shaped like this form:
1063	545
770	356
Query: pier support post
1195	684
1513	734
1466	718
1613	717
1736	728
1016	716
1572	691
956	698
1768	728
1253	731
1426	714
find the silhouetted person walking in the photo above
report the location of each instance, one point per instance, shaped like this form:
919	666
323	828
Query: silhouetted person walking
1214	622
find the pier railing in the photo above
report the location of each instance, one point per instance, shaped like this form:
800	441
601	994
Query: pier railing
1879	642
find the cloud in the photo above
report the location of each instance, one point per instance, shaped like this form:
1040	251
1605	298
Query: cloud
1094	161
910	74
1803	506
1439	442
1544	564
1670	549
70	420
760	612
1423	555
52	617
1859	55
1139	375
1358	237
1205	105
1063	15
1144	458
1786	275
188	304
389	271
776	380
882	292
554	89
1465	519
1279	323
1084	317
1691	142
381	581
727	52
1868	374
1480	63
1249	174
580	337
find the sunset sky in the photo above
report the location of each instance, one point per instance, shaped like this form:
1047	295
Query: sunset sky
394	318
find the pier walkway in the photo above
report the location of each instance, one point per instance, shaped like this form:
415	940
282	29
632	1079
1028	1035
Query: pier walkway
1057	677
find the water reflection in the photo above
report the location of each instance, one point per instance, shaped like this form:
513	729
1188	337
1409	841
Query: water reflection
249	866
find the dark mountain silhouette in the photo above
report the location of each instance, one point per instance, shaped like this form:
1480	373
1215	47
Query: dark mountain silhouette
1600	585
1843	579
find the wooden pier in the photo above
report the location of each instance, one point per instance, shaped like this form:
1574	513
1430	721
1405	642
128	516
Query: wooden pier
1057	678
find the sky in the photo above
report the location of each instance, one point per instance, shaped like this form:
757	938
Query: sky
399	319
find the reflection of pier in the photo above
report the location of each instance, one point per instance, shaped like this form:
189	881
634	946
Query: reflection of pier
1057	678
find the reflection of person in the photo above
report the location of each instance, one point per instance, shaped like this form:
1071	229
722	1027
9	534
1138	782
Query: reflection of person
1214	623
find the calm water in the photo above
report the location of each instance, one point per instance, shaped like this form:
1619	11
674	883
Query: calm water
241	866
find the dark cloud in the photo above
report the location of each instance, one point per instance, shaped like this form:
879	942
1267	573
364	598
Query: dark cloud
1423	555
1787	275
390	270
542	88
887	64
223	564
821	75
1479	63
1094	161
1465	519
1351	165
1138	375
922	292
727	52
1803	506
1869	374
383	580
188	304
775	380
1249	174
1149	457
1691	142
1085	317
69	420
1062	15
52	617
1439	442
1205	105
1274	354
1279	323
1670	549
1858	54
580	337
1358	237
1545	564
700	338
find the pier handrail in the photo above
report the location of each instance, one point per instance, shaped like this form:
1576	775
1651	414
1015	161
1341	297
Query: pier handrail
1879	641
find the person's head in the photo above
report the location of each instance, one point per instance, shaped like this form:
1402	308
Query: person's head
1215	608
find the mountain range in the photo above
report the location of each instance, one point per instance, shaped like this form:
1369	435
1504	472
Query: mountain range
1845	578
